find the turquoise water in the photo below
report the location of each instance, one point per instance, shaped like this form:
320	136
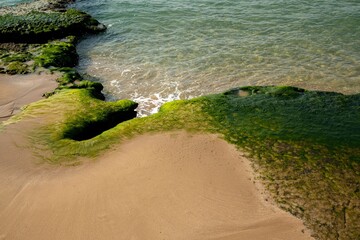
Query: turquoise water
4	3
159	50
156	51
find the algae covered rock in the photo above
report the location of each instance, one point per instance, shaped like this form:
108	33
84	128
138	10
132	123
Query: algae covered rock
15	62
306	145
97	120
16	68
54	54
17	57
57	54
39	27
42	34
79	116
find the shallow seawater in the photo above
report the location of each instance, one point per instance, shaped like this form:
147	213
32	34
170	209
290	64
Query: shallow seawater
160	50
5	3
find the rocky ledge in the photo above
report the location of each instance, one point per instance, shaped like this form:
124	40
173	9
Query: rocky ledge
39	25
42	36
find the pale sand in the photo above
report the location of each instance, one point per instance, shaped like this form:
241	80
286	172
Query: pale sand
163	186
19	90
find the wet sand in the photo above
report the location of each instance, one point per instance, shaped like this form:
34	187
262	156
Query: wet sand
19	90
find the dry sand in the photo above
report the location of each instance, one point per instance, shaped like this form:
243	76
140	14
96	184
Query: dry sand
19	90
163	186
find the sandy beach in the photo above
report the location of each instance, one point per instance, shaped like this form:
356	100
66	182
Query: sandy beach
19	90
173	185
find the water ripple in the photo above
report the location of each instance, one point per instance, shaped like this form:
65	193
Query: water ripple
207	46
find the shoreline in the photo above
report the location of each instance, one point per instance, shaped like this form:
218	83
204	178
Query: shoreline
17	91
38	137
29	186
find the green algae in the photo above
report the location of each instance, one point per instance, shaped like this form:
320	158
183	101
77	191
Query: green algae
43	39
69	76
289	114
39	27
15	62
71	79
17	57
57	54
307	148
28	41
54	54
17	68
97	116
321	118
74	115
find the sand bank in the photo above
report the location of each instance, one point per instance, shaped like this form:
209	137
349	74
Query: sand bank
19	90
164	186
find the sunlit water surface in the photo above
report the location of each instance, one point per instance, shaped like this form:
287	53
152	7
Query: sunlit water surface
155	51
6	3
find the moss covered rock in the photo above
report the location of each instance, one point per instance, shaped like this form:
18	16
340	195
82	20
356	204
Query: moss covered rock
71	79
15	62
17	57
306	145
28	32
97	120
16	68
76	115
57	54
39	27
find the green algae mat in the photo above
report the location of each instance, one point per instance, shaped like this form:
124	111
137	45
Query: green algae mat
304	144
39	27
